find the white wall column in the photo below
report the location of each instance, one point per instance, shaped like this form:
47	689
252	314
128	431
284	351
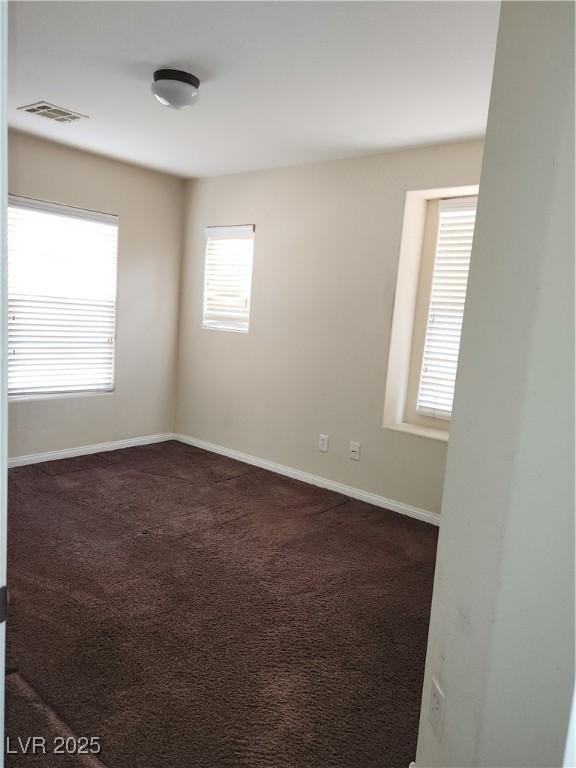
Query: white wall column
501	639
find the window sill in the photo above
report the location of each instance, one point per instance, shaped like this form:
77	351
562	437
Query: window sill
415	429
57	396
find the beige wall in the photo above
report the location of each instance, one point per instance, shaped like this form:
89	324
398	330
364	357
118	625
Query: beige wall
325	263
501	640
149	205
326	256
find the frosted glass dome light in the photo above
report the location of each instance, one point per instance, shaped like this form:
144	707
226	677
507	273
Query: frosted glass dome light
174	88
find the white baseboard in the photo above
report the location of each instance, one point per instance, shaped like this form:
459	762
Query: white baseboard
322	482
66	453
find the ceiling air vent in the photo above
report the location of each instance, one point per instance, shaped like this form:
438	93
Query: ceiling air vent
52	112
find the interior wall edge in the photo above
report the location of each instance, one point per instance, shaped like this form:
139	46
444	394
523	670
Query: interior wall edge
185	195
186	201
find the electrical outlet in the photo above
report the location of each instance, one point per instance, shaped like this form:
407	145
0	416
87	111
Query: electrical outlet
354	451
437	707
323	443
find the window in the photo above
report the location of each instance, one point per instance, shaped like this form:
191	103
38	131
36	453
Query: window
61	298
456	219
435	250
228	278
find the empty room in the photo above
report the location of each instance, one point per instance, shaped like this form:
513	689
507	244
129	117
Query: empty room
287	418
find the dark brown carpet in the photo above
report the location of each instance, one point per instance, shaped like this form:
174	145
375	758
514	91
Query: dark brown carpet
196	612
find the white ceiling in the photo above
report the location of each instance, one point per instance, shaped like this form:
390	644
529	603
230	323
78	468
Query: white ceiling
282	82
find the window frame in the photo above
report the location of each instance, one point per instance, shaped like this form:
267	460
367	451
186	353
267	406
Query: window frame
410	313
86	214
422	311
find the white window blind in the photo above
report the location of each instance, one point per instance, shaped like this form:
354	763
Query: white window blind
61	298
228	278
450	276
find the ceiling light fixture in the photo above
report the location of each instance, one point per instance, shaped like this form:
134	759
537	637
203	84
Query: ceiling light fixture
174	88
